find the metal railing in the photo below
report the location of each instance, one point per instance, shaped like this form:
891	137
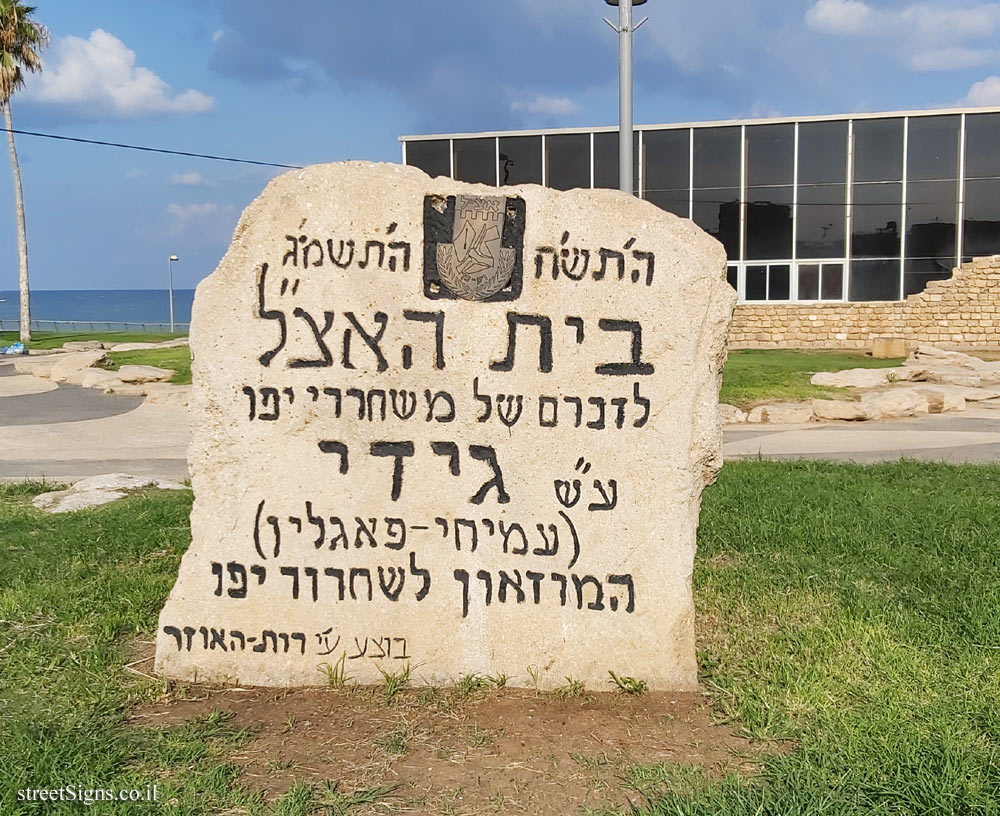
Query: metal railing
95	325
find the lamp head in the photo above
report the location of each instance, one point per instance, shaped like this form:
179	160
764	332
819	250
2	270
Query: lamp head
174	258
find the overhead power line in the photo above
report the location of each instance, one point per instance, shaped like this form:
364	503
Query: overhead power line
148	149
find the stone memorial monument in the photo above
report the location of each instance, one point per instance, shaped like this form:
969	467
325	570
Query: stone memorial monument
452	427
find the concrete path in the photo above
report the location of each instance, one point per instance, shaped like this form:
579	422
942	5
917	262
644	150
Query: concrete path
67	433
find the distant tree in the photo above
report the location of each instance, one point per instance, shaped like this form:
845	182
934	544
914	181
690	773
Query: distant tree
21	40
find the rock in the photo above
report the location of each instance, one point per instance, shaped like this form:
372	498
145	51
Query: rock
895	403
137	374
782	413
828	410
98	490
83	345
469	390
966	393
165	394
731	415
126	389
68	363
41	367
99	378
181	341
940	400
953	375
884	348
936	356
866	377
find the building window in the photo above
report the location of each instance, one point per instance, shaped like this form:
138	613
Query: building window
666	170
982	145
878	150
875	216
432	156
768	223
717	158
567	161
821	222
718	213
821	281
520	160
982	216
476	161
823	153
874	279
767	282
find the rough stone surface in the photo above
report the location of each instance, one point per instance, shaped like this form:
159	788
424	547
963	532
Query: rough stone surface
83	345
166	394
940	401
782	413
827	410
181	341
866	377
98	490
966	393
884	348
731	415
515	454
39	368
76	361
99	378
137	374
895	403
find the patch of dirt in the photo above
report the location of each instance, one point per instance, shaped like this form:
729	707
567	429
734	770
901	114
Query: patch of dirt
453	753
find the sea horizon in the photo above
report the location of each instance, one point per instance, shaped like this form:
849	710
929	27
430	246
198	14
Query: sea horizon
139	306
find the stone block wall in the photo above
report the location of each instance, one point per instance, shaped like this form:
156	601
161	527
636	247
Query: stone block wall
960	312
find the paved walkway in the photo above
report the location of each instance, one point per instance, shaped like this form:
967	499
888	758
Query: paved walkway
65	433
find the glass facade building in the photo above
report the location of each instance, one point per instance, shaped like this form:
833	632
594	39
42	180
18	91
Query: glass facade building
816	209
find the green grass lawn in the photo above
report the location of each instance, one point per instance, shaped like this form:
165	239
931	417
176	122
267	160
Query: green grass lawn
847	619
50	340
767	375
179	359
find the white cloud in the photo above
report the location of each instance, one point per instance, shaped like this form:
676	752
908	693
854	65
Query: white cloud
545	105
218	35
191	178
207	218
839	16
99	75
984	92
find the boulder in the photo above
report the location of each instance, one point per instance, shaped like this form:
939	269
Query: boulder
177	396
68	363
180	341
931	354
126	389
827	410
887	347
99	378
83	345
866	377
40	368
942	400
136	374
966	393
895	403
98	490
782	413
731	415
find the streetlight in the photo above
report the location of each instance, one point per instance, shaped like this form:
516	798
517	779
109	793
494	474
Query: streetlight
625	29
170	283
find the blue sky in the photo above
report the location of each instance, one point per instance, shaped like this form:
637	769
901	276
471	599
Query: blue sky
308	81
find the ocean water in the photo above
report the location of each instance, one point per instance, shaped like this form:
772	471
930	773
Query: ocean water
101	305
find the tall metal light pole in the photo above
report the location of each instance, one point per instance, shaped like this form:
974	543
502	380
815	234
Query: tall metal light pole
170	284
625	30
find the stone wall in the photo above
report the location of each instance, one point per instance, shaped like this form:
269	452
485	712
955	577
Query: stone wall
962	311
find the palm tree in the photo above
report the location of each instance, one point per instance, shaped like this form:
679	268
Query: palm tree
21	40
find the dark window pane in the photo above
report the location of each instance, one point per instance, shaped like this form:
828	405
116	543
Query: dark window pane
982	217
779	288
675	201
874	280
756	283
769	223
521	160
875	213
770	154
718	213
982	145
666	160
822	212
919	271
717	157
476	161
732	276
932	147
567	161
822	152
931	211
606	160
878	150
832	286
808	281
432	157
